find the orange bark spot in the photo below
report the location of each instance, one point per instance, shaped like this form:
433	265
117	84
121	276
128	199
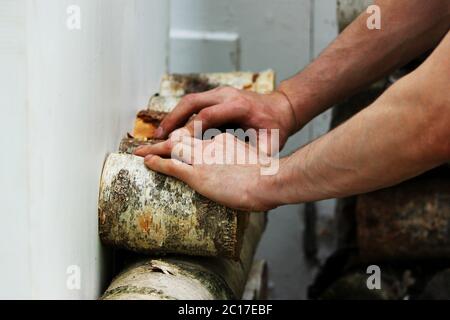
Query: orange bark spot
145	222
143	130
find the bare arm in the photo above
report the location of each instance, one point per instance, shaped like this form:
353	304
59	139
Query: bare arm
404	133
360	56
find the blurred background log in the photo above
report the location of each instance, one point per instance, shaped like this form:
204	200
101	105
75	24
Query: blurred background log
407	221
349	10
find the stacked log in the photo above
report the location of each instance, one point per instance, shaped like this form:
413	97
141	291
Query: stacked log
147	212
190	278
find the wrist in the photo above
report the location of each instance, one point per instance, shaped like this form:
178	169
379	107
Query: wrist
273	190
264	193
291	184
286	112
300	101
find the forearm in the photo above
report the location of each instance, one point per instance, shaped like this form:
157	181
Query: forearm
360	56
403	134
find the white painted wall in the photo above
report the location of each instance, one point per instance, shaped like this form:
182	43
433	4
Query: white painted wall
66	97
273	34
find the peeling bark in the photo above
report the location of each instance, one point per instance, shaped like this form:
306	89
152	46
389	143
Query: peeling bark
144	211
187	278
163	104
146	123
180	85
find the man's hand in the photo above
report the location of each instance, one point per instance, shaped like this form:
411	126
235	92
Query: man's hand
219	169
226	105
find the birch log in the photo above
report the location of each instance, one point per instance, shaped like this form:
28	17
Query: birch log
144	211
163	104
187	278
179	85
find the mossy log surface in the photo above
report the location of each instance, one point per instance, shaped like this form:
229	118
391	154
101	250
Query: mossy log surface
189	278
147	212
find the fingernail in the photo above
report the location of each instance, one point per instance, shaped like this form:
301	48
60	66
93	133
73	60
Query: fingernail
159	133
147	158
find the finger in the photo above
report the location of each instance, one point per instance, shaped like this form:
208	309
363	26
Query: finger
218	115
183	152
178	135
187	107
161	149
170	167
189	150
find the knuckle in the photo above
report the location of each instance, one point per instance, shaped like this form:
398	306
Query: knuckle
242	101
221	137
220	89
204	117
152	161
188	99
168	145
172	144
228	91
205	114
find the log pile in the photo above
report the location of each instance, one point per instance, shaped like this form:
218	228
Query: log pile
194	248
187	278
